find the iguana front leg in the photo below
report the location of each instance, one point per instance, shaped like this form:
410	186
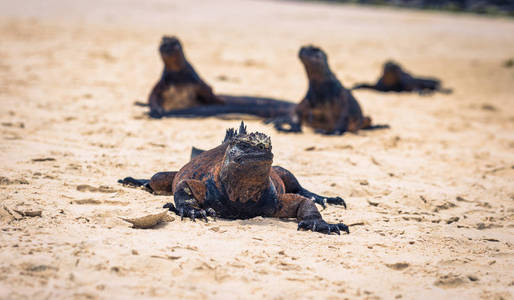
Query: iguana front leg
307	214
189	197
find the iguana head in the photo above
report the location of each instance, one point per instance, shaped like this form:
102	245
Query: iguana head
246	168
247	148
315	62
392	73
172	54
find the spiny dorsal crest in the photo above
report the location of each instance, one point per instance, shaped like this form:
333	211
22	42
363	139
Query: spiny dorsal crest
232	133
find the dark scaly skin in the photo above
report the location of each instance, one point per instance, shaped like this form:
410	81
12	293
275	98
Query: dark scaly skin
180	92
328	107
236	181
395	79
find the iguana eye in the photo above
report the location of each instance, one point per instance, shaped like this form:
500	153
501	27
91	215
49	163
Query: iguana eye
261	147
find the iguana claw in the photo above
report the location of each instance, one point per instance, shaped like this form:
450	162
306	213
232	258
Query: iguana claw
319	225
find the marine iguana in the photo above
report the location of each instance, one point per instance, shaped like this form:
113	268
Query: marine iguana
328	107
395	79
180	88
236	180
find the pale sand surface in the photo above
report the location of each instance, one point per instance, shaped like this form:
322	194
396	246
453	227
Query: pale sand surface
70	72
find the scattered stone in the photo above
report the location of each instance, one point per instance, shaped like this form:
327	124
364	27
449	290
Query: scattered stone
492	240
18	124
482	226
166	257
222	78
11	215
374	161
449	281
488	107
472	277
398	266
101	189
43	159
86	201
29	213
149	221
40	268
158	145
462	199
452	220
373	203
446	205
7	181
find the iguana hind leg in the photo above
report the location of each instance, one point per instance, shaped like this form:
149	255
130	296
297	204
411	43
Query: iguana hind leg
307	214
130	181
293	186
161	183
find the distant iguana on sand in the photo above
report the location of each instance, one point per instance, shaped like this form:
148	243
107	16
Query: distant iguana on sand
395	79
328	107
181	89
236	180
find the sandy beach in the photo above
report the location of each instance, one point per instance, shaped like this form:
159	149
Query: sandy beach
430	201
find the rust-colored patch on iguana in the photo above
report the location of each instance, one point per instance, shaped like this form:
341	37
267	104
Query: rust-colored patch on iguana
236	180
395	79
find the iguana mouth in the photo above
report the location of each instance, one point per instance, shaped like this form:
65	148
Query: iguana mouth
252	157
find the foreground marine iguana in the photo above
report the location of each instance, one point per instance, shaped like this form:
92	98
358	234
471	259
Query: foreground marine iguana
180	88
395	79
328	107
236	181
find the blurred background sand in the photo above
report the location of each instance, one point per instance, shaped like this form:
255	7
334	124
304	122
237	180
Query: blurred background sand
430	200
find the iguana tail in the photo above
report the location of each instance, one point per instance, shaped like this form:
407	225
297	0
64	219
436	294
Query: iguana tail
256	106
364	86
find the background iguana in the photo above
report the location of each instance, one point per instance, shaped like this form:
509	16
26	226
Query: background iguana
395	79
236	180
180	88
328	107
